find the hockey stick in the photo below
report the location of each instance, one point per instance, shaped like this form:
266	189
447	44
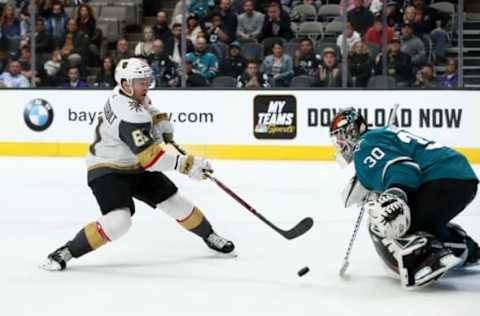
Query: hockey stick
345	264
343	269
301	228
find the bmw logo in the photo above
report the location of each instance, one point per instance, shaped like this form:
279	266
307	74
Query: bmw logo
38	115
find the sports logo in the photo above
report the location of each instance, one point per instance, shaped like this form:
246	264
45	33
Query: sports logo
275	117
38	115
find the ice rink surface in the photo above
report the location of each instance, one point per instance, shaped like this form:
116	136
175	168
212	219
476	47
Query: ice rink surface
160	269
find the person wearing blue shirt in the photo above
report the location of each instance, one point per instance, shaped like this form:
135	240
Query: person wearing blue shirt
204	63
419	186
13	78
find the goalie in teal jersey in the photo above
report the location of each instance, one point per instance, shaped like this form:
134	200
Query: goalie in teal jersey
411	189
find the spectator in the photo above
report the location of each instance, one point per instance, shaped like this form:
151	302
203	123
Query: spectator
412	45
57	23
173	46
73	80
217	31
229	19
360	64
360	17
204	63
45	8
106	77
4	60
328	74
145	47
426	78
234	65
251	78
440	41
450	78
54	70
410	16
193	28
351	5
376	7
13	78
25	61
164	69
74	44
43	40
199	8
274	25
161	29
375	33
194	79
399	64
250	22
10	25
306	61
428	17
352	37
278	67
394	16
86	21
121	52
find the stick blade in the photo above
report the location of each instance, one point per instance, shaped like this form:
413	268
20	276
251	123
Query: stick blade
300	229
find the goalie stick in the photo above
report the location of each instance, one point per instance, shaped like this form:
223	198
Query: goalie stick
344	267
301	228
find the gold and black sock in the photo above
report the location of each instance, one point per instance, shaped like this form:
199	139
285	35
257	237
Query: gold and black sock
197	223
88	239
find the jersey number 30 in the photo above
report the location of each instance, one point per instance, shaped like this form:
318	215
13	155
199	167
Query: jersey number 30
376	155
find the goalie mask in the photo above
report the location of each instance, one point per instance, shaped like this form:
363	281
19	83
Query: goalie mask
135	71
345	131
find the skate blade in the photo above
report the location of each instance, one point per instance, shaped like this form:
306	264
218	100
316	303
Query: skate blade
50	265
221	255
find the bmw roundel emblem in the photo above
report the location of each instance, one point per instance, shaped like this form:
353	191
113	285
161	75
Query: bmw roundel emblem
38	115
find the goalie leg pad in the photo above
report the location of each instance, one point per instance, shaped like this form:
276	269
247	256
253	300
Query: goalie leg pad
418	259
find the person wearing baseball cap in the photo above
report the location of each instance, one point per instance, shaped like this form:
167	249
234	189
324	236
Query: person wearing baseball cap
234	64
412	45
399	64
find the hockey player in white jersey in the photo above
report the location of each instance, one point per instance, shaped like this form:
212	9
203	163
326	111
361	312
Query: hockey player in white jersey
126	161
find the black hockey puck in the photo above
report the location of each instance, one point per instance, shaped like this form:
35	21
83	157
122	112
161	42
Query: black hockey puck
303	271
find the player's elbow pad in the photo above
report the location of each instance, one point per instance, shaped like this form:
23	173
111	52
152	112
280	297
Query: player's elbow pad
154	158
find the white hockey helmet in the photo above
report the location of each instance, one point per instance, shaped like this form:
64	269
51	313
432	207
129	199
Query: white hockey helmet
133	69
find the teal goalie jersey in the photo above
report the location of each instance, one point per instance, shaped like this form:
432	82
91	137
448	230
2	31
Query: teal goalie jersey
385	158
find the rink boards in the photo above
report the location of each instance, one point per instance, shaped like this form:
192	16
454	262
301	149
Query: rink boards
280	125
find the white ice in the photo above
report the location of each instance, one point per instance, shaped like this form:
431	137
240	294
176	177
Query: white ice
160	269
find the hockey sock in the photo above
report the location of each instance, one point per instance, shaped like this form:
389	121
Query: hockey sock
88	239
197	223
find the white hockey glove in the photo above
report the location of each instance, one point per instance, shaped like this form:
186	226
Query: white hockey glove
389	215
195	167
162	128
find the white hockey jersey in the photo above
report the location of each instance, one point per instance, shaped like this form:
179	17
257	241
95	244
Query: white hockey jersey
124	137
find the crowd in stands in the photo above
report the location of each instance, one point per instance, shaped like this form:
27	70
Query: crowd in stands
235	43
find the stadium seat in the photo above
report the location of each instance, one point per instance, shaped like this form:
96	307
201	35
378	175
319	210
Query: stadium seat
304	12
328	12
224	82
312	30
252	51
301	81
382	82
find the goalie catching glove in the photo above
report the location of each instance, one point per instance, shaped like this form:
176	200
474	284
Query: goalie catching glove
389	214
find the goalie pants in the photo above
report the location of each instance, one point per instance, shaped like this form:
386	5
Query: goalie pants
436	203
